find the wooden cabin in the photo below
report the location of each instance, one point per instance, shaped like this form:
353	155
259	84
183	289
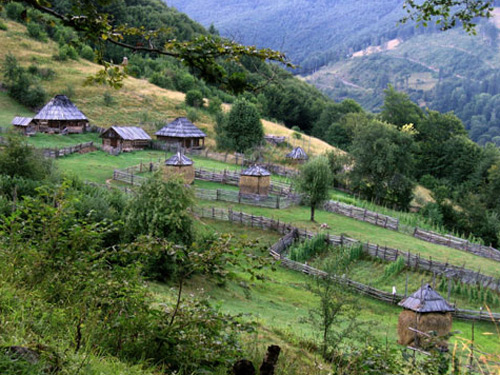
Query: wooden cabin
182	131
297	156
255	180
179	165
124	138
425	310
60	116
23	124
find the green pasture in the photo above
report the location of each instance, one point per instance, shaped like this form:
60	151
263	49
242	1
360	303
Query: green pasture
42	140
299	216
282	301
9	109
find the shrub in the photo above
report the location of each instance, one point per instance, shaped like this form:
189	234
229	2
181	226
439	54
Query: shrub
309	248
3	26
214	105
43	73
66	52
35	31
193	115
35	97
87	53
14	11
296	135
184	82
108	99
161	80
394	268
194	98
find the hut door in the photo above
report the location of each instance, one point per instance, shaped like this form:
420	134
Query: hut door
114	142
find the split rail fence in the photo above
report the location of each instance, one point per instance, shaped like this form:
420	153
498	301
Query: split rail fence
60	152
414	261
392	223
292	234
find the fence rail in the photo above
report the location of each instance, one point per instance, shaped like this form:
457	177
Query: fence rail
60	152
412	260
270	201
291	234
362	214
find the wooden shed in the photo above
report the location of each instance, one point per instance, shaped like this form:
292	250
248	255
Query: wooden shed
124	138
425	310
23	124
298	155
60	115
255	180
182	131
179	165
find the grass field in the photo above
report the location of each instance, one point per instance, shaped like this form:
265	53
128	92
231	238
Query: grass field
283	300
41	140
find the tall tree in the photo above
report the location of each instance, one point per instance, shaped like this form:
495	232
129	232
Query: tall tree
314	181
241	129
398	109
383	163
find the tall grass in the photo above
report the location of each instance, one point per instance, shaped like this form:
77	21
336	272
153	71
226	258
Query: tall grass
308	249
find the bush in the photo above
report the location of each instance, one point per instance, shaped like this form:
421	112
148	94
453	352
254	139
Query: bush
194	98
185	82
108	99
14	11
161	80
66	52
309	248
35	97
3	26
35	31
43	73
87	53
214	105
193	115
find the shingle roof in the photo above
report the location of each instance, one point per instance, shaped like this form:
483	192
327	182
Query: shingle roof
181	127
129	133
60	108
255	171
21	121
179	159
426	300
297	153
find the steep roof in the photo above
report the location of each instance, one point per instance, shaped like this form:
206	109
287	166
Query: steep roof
179	160
255	171
21	121
60	108
181	127
297	153
129	133
426	300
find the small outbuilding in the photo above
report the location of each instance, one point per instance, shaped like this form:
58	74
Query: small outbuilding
255	180
179	165
298	155
60	116
182	131
425	310
23	124
124	138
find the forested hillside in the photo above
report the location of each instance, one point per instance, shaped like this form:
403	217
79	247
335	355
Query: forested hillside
361	49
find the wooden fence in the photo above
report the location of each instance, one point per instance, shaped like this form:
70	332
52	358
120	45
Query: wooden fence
388	254
59	152
362	215
270	201
292	234
457	243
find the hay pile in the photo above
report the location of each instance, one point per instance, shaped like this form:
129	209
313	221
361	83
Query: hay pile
438	322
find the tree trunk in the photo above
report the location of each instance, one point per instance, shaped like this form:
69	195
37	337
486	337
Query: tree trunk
312	212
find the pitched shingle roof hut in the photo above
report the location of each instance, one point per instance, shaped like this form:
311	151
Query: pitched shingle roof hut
297	155
180	165
255	180
60	115
425	310
182	131
125	138
22	123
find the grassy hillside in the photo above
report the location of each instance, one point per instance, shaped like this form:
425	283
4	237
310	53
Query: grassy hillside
137	103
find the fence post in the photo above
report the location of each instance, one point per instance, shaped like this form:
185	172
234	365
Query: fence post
278	202
217	194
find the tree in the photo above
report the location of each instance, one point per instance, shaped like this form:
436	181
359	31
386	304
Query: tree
383	163
160	210
194	98
448	13
398	109
314	180
203	53
241	129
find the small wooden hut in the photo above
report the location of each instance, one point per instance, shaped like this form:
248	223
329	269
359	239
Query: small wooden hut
60	115
124	138
179	165
23	124
182	131
425	310
298	155
255	180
